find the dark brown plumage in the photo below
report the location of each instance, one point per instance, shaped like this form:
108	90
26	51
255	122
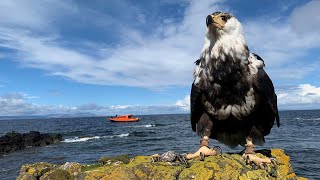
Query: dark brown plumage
232	97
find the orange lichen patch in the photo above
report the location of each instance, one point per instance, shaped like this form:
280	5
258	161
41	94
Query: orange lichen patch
119	172
164	171
35	170
196	171
31	171
258	174
302	178
284	169
281	157
95	175
227	171
140	174
291	176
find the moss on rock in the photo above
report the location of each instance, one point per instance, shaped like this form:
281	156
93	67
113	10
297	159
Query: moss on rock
89	167
35	171
115	160
57	174
228	166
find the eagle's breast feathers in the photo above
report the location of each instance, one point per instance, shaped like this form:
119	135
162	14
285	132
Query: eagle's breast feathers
225	73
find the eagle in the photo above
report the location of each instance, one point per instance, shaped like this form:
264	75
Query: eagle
232	98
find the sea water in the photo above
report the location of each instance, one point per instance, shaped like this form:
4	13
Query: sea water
88	139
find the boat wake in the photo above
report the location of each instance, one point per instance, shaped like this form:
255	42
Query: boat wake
146	126
83	139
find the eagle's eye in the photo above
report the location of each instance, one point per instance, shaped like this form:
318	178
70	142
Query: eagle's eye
224	18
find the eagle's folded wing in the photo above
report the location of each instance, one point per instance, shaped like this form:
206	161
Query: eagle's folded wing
263	84
196	106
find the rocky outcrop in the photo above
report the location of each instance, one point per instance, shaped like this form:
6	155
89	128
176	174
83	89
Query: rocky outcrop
227	166
14	141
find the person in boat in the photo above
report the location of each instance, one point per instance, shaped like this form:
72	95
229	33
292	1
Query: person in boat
203	151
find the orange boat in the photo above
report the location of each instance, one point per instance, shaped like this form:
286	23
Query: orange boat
124	118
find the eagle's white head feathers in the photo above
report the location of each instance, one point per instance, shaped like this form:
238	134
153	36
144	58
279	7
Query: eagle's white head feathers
224	37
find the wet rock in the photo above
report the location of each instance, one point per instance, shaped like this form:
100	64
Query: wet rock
72	167
14	141
35	171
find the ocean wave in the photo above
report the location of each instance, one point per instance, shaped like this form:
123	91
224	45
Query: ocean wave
146	126
308	119
119	135
6	170
83	139
142	133
80	139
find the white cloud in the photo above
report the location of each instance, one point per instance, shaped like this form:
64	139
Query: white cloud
281	42
304	94
305	19
15	104
184	103
162	60
296	71
285	43
32	14
142	61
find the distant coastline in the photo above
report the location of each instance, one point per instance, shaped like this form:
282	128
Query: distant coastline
89	115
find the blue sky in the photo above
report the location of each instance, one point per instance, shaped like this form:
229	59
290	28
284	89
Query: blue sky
120	56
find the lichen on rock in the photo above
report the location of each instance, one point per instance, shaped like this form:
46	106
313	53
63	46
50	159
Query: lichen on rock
57	174
115	160
35	171
71	167
227	166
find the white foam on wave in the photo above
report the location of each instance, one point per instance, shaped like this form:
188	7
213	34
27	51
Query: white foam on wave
308	119
118	135
83	139
122	135
146	126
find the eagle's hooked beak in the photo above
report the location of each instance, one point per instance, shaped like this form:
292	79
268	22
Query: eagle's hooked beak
209	20
214	21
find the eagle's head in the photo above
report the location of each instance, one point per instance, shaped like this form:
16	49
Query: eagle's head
221	23
224	38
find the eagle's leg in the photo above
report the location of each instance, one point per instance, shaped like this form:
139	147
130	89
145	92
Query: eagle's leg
250	156
204	125
249	146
